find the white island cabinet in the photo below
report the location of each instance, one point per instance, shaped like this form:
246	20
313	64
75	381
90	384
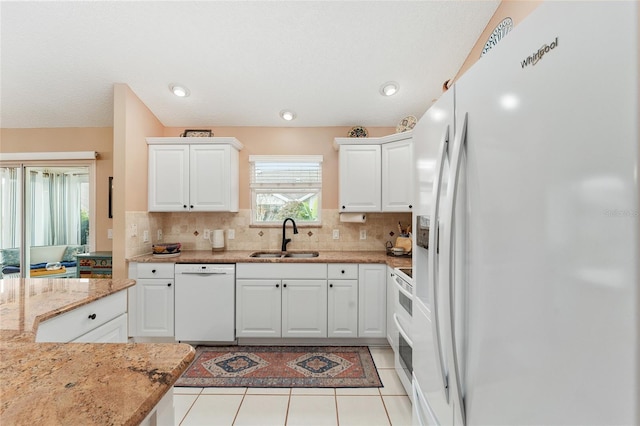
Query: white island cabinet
193	174
102	321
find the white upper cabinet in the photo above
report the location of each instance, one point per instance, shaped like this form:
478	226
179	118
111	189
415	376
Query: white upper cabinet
376	174
397	176
359	177
193	175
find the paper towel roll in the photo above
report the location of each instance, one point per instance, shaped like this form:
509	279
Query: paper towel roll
353	217
217	241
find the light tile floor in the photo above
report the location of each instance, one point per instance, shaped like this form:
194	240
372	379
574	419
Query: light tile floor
388	405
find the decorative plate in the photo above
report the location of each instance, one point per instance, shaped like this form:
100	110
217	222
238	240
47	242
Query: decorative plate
166	254
358	132
407	123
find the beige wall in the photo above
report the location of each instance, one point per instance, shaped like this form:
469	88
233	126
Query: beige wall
291	141
133	122
517	10
73	139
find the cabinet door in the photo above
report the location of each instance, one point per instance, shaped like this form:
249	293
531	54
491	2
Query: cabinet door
372	303
392	294
397	176
342	311
209	178
154	303
115	331
168	178
304	308
258	308
360	181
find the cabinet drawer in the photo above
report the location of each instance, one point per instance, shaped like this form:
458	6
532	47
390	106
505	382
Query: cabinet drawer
343	271
83	319
155	270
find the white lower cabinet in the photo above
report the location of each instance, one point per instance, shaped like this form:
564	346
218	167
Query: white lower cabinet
311	300
100	321
151	300
258	308
154	307
372	300
304	308
342	310
281	300
281	308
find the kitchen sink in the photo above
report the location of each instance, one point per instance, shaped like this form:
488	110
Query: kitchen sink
302	254
266	254
278	254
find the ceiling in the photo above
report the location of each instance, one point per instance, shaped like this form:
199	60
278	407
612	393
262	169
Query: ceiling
243	61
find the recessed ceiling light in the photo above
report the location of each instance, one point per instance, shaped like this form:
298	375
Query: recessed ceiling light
287	115
179	90
389	88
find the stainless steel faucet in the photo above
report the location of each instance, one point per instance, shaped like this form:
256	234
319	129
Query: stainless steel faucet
286	240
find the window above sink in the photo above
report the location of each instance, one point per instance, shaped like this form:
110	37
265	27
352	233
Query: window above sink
285	186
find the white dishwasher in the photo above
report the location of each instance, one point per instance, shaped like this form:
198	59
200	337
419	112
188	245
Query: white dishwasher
205	302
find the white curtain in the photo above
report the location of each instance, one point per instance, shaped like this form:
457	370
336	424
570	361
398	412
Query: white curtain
9	221
54	208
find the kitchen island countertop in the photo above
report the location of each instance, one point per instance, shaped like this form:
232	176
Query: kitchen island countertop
76	383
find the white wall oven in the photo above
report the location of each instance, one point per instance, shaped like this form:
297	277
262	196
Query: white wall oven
403	319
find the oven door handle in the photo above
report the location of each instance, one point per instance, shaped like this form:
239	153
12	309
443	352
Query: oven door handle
401	331
402	290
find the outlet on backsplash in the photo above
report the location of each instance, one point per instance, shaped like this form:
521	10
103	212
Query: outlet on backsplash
231	234
363	234
159	234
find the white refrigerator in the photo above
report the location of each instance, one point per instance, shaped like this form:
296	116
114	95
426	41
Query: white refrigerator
528	296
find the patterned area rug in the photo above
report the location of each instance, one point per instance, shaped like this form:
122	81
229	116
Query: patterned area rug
281	367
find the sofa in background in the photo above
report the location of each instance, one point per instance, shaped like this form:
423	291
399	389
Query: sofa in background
40	256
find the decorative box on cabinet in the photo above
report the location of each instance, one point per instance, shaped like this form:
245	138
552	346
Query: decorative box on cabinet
94	265
193	174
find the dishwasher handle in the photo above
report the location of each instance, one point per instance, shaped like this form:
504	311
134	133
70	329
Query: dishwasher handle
205	273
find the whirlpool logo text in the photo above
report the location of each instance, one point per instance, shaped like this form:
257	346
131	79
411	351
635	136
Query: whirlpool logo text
536	56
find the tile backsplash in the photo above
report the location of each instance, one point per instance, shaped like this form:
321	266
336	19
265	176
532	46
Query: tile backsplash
188	229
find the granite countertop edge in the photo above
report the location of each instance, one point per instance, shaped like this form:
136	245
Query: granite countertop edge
242	256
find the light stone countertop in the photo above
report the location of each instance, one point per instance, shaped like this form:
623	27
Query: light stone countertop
76	383
24	303
242	256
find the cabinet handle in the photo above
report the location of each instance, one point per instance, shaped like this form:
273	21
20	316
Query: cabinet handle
153	271
410	206
343	207
284	285
92	316
331	285
190	207
342	271
277	285
169	285
184	206
393	275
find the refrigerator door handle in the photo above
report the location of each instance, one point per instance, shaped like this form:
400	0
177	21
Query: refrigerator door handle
432	255
459	142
